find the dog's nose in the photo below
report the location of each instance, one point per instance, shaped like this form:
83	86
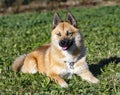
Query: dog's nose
64	42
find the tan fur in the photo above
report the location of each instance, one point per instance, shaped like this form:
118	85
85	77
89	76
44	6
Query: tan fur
53	61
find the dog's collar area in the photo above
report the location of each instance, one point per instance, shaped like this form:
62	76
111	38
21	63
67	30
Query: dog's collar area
71	64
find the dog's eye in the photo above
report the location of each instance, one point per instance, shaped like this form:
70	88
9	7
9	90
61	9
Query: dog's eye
59	34
69	33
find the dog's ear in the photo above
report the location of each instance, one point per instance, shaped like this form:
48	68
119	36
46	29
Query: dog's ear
56	20
70	19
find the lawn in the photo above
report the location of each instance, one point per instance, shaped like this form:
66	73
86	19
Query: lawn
22	33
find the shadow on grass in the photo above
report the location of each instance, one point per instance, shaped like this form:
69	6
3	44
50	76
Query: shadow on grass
95	68
1	61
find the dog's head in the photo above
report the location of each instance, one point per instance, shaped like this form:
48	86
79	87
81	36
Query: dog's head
65	34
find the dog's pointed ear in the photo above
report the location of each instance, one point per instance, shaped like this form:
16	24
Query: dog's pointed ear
56	20
70	19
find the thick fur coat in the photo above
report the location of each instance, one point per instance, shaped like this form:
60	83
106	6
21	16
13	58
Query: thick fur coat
64	56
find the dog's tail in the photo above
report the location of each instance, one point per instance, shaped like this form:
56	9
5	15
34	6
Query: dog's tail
17	64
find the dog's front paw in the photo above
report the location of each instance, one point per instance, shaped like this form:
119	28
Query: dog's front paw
63	84
94	80
88	76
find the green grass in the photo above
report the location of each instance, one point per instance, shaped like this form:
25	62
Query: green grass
22	33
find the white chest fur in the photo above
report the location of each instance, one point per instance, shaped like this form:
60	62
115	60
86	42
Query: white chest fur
69	61
72	65
69	70
68	57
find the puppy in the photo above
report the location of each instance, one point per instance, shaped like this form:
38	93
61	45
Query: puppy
65	56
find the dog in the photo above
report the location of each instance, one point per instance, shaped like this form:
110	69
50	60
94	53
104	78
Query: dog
64	56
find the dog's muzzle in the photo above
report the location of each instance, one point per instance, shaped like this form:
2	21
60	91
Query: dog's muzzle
66	43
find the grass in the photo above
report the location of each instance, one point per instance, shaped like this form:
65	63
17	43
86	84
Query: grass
22	33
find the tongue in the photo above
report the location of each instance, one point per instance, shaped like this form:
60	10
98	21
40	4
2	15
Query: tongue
64	48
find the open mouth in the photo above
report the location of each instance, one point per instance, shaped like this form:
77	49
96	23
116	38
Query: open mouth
67	46
64	48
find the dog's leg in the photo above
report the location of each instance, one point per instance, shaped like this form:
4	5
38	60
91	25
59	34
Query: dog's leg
30	65
41	65
88	76
58	80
